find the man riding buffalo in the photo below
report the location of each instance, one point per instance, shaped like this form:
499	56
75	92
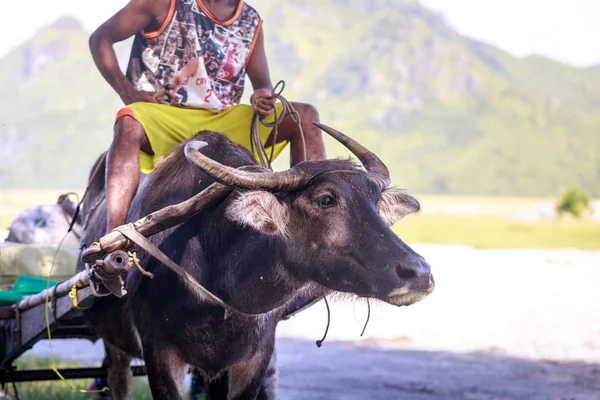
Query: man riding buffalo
201	50
224	41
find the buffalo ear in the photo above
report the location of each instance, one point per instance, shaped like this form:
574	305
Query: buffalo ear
395	205
261	211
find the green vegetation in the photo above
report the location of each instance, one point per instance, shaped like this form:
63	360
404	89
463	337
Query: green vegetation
58	390
492	228
496	232
573	201
446	113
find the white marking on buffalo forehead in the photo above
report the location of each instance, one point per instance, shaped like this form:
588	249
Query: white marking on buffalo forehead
260	210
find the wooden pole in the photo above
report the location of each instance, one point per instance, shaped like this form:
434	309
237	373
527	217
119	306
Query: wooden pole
168	217
80	281
113	265
175	214
151	224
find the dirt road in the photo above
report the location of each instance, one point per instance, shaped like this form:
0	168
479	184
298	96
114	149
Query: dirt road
500	325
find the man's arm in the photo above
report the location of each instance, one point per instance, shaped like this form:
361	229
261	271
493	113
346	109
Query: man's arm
135	16
258	72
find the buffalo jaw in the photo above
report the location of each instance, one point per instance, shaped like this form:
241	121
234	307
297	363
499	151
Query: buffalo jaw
406	296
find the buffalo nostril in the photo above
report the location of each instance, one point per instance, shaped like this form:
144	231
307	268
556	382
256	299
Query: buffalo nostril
406	273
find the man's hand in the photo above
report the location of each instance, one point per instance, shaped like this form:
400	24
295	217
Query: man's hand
262	102
135	96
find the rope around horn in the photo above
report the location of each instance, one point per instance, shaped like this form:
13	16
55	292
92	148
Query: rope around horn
256	144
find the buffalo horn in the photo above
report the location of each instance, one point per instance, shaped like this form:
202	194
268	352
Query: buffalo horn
374	166
286	180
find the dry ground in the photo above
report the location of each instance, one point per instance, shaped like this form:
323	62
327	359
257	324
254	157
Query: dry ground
500	325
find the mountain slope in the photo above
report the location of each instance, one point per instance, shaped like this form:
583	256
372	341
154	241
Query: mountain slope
446	113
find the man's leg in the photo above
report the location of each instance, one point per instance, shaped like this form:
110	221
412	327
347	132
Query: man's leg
122	174
288	131
123	169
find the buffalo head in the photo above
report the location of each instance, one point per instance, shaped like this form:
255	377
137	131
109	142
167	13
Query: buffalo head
333	219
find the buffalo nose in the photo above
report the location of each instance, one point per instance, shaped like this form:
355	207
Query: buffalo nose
417	274
406	273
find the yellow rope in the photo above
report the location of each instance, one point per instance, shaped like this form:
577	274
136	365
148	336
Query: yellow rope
73	295
133	260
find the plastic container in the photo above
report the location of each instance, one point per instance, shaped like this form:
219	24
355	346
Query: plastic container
30	284
24	286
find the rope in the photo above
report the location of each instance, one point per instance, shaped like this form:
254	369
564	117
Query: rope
256	145
70	220
66	195
48	330
130	233
320	342
73	292
368	317
134	261
17	395
73	295
85	193
53	305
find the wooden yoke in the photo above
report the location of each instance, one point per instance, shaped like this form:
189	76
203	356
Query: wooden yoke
168	217
175	214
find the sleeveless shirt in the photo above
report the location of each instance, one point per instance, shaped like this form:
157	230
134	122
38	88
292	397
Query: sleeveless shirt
191	31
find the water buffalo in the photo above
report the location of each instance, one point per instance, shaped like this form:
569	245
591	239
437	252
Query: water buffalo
320	227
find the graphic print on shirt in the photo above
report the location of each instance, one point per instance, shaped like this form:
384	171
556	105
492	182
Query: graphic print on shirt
157	57
199	93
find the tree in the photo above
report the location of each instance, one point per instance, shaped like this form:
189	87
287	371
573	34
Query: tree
573	201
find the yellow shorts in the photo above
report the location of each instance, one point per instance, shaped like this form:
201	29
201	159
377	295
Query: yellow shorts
167	126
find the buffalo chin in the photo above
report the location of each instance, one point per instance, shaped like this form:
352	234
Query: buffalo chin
405	299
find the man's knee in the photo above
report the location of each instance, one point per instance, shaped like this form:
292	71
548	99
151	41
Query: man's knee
130	132
128	129
307	112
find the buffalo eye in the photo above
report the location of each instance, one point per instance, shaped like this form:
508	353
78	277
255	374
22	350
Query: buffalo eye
326	201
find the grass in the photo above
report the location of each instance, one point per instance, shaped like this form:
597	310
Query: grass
490	230
58	390
494	232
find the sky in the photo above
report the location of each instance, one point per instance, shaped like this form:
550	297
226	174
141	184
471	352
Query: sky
564	30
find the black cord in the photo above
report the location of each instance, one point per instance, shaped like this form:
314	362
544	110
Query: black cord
368	317
74	218
320	342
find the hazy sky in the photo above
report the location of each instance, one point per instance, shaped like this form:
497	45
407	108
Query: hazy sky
566	30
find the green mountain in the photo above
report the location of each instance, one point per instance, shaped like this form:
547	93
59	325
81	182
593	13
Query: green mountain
448	114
